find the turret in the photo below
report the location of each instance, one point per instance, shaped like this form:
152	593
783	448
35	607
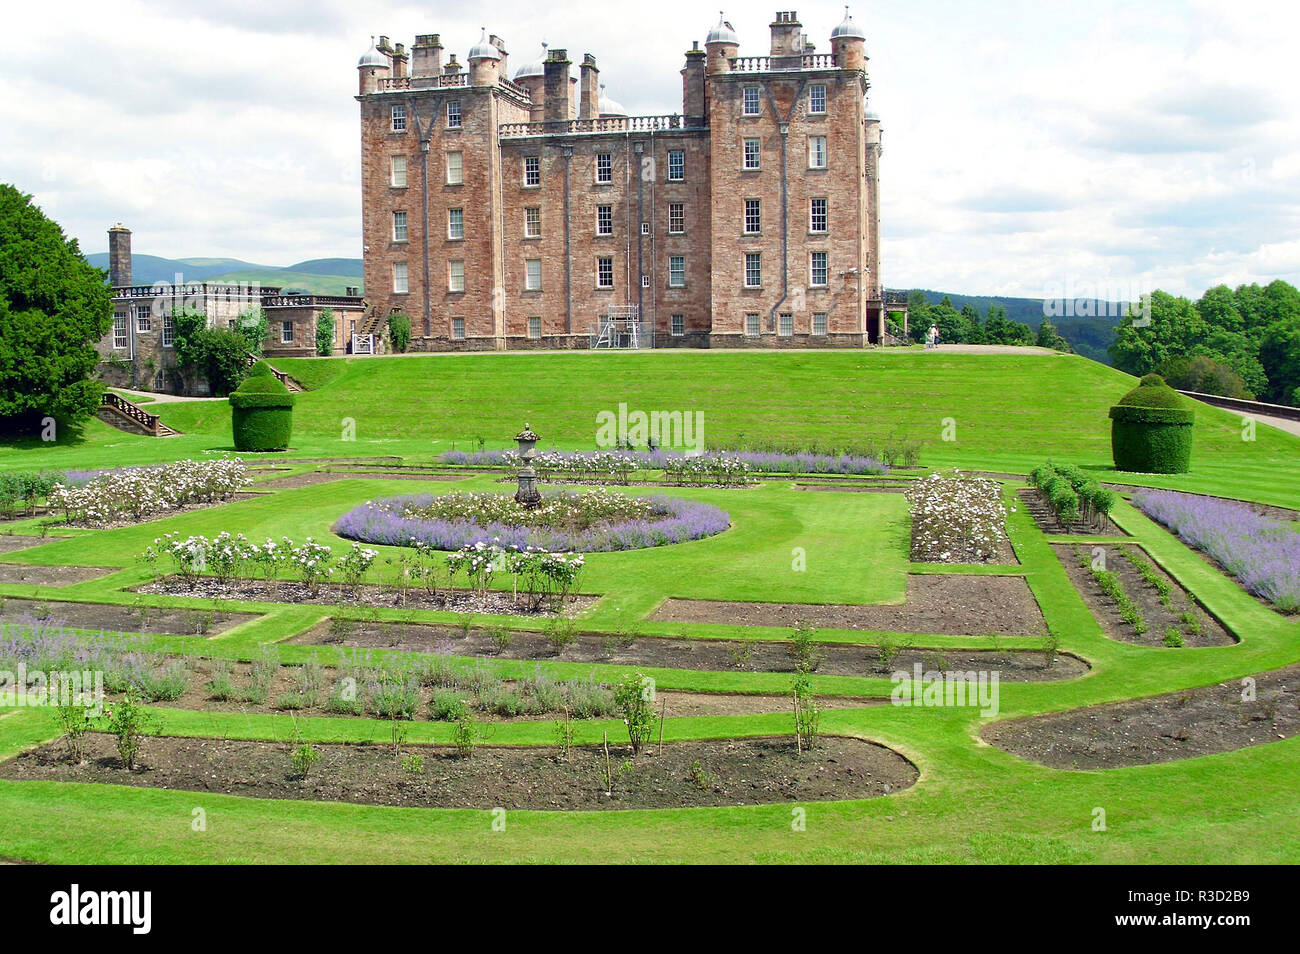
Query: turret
532	77
371	68
849	45
484	62
721	46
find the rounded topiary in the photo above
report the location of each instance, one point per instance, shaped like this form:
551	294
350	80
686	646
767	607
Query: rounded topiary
261	413
261	370
1151	429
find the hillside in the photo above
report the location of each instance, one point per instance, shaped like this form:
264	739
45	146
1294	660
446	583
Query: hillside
321	276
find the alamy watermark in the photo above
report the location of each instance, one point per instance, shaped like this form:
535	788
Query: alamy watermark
1098	299
935	688
668	430
37	688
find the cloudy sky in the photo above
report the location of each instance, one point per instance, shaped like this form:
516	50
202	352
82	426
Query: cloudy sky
1032	147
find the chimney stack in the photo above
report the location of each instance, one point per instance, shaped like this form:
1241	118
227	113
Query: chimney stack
590	108
119	256
557	86
426	55
693	98
787	40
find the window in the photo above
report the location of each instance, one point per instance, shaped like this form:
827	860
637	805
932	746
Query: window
677	271
676	165
604	220
286	332
456	276
604	272
753	269
400	279
397	178
398	119
399	226
535	327
785	324
458	329
816	152
676	218
143	317
455	223
455	168
533	223
120	339
817	98
751	100
645	281
169	331
751	153
753	216
752	325
453	114
817	269
819	323
604	167
816	215
532	170
645	228
679	325
533	274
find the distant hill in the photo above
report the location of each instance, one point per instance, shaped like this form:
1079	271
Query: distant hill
319	276
1088	335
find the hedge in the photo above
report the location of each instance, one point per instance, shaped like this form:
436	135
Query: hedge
1151	430
261	412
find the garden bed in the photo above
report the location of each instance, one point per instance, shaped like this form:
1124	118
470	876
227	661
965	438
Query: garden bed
685	774
1180	725
319	477
106	617
1158	617
1032	500
36	574
12	542
701	655
157	515
367	594
942	604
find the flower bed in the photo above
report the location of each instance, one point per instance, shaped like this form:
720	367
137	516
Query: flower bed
134	493
1263	554
957	519
724	468
584	523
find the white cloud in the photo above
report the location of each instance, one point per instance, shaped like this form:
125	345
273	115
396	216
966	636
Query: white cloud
1027	145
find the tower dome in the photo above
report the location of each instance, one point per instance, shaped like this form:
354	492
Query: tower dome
848	30
536	68
483	50
724	32
372	57
609	107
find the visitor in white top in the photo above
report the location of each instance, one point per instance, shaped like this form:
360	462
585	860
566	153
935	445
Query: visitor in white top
932	337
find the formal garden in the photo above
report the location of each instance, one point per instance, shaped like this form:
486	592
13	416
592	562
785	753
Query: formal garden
1046	622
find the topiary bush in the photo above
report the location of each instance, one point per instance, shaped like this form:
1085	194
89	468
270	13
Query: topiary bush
261	412
1151	429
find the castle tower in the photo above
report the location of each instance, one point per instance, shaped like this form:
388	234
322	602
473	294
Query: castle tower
371	68
119	256
484	62
848	45
721	47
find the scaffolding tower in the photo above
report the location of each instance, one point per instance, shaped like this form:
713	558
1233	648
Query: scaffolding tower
621	328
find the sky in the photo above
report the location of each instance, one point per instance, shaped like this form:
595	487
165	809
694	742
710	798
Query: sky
1035	149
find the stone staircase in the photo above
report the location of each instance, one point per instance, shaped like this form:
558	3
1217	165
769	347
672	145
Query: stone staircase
131	418
287	380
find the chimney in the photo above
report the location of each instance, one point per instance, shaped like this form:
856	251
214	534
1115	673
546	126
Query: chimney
557	86
452	67
787	40
119	256
500	44
426	55
590	108
399	61
693	99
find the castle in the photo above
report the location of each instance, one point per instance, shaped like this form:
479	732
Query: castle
530	211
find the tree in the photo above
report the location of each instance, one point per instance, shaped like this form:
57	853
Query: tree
918	315
325	332
220	355
54	307
253	326
1048	337
399	331
1141	344
1279	353
1204	374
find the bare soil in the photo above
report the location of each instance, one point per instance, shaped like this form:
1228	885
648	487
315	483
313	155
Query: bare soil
1206	631
685	774
700	655
9	543
338	594
1180	725
944	604
124	619
38	575
1036	505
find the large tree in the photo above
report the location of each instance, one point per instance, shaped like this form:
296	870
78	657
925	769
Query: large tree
53	308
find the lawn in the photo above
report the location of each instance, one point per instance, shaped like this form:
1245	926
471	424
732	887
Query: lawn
973	803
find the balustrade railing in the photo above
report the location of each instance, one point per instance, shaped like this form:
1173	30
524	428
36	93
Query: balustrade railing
118	403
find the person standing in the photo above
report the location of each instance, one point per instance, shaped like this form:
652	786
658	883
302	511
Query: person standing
932	337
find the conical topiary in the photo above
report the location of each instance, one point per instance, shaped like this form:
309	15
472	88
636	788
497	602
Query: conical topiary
261	412
1151	429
